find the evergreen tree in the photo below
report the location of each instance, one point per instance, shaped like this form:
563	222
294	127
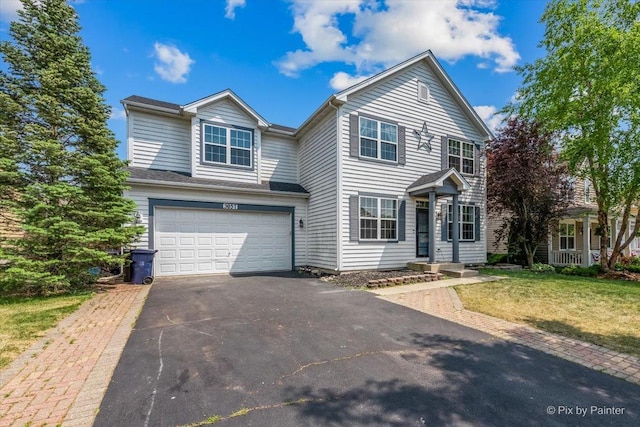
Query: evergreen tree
59	173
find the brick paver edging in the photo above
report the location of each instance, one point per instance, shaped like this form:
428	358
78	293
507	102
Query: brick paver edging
62	378
445	303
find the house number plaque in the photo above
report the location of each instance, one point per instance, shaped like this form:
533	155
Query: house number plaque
231	206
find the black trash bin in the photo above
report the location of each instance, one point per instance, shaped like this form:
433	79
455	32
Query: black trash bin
142	266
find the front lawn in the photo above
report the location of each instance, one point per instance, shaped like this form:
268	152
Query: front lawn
603	312
24	320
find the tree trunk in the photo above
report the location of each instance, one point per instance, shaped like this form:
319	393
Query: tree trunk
603	222
529	254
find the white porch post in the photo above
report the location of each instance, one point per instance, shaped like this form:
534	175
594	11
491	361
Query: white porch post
586	244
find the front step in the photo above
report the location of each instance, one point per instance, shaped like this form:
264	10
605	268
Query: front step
435	268
451	269
460	273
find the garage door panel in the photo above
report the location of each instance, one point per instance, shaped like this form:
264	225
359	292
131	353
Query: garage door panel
192	241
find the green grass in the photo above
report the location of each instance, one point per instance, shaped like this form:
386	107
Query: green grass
603	312
24	320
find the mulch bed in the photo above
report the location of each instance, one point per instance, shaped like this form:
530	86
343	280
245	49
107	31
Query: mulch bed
621	275
363	278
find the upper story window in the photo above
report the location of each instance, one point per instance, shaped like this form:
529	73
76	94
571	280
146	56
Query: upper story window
587	191
567	236
226	145
378	218
467	223
378	140
461	156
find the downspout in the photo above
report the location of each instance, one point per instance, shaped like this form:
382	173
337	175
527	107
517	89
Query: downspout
338	187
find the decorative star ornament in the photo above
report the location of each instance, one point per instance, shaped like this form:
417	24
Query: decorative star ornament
424	137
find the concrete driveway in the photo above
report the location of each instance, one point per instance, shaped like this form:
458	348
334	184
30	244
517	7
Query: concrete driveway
286	351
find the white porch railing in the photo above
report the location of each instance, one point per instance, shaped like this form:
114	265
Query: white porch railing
566	258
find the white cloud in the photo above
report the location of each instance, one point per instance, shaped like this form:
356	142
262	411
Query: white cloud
490	115
172	65
9	10
118	114
383	36
232	5
342	80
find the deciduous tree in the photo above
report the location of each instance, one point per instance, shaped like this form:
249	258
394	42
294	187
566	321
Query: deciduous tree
527	186
587	88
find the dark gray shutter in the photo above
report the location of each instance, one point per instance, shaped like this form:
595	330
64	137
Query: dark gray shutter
402	221
353	218
476	158
402	146
444	225
444	143
354	136
477	227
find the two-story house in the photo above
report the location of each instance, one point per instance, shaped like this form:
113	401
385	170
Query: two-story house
386	172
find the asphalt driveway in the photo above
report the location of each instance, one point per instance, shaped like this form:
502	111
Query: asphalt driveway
286	351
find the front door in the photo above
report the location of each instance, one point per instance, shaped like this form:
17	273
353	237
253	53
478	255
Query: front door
422	232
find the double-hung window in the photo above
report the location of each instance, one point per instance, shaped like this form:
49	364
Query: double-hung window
226	145
461	156
378	139
587	191
567	236
467	223
378	218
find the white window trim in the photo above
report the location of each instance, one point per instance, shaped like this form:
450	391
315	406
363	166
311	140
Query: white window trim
461	157
460	222
378	219
228	130
560	235
379	140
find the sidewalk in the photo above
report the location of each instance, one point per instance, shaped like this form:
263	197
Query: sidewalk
443	301
62	378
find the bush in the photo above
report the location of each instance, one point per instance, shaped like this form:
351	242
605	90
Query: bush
493	259
542	268
634	268
627	261
575	270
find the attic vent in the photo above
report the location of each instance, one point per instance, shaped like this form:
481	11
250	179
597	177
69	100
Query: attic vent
423	92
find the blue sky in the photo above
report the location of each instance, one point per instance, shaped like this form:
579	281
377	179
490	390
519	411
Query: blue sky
284	58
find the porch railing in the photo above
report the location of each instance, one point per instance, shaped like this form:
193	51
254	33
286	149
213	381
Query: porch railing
566	258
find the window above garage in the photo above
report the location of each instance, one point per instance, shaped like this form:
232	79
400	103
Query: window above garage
227	145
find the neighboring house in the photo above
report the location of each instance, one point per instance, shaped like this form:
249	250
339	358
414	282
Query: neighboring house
386	172
574	240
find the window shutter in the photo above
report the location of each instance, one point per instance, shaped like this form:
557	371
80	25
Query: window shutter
402	146
476	158
353	219
444	143
354	136
402	221
477	225
444	225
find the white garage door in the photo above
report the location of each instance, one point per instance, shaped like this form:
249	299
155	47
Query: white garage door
198	241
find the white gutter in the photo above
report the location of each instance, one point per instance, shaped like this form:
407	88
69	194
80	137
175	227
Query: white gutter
151	107
222	189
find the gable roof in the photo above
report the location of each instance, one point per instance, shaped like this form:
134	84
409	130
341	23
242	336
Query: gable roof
227	94
437	179
342	96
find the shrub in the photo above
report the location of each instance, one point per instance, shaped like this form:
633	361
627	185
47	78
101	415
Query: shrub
539	267
493	259
634	268
575	270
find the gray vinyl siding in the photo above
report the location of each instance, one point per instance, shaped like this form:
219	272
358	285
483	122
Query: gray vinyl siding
318	175
279	159
493	225
142	194
159	142
225	112
395	98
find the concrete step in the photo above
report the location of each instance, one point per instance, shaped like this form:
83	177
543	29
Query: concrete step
460	273
434	268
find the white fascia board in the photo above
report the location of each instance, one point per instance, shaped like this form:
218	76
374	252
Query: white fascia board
220	188
149	107
227	93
